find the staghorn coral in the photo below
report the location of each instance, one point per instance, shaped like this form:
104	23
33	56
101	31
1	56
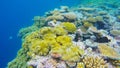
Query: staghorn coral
94	62
70	27
108	51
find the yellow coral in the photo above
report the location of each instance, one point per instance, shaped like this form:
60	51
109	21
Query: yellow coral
80	65
49	36
33	36
58	30
70	27
108	51
94	62
63	39
46	30
40	47
73	54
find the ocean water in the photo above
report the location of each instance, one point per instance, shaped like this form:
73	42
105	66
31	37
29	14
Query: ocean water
16	14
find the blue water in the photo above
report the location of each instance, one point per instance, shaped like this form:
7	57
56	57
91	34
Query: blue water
15	14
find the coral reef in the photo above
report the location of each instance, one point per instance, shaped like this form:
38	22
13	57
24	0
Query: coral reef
72	37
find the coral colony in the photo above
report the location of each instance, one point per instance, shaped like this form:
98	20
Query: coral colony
79	37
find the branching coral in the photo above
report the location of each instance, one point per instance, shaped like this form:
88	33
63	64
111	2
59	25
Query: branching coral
108	51
94	62
70	27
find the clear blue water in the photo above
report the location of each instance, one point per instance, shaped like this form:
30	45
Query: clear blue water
15	14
